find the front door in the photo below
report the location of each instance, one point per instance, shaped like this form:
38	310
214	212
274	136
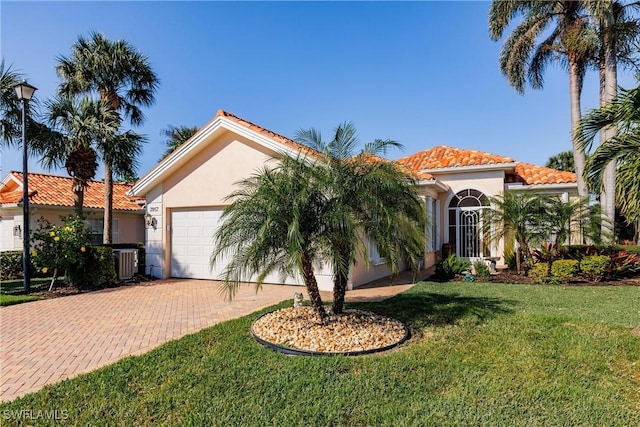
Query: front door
469	234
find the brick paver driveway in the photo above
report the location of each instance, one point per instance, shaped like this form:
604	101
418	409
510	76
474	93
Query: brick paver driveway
42	342
46	341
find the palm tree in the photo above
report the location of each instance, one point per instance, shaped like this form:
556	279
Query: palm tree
124	79
568	41
274	223
562	161
368	199
9	105
564	218
617	31
518	215
77	127
623	149
176	136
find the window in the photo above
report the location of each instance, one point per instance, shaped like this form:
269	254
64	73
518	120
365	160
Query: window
97	230
374	256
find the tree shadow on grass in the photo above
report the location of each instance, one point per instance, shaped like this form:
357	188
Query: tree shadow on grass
433	309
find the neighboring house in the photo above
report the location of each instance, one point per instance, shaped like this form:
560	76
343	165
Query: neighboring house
50	197
186	194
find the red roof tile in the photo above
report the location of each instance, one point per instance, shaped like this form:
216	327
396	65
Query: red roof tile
532	174
441	157
449	157
290	143
55	190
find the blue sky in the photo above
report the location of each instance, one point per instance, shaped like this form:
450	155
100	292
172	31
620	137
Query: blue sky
422	73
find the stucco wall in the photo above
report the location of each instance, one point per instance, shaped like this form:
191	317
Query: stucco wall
490	183
206	179
130	225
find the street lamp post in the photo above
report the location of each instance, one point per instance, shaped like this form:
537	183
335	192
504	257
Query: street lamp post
25	91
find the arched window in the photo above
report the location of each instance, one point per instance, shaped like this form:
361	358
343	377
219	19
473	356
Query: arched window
465	223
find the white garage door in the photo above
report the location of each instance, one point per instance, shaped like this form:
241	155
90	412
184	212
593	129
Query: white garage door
192	244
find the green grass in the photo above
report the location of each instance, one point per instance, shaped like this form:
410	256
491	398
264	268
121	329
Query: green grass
487	354
11	291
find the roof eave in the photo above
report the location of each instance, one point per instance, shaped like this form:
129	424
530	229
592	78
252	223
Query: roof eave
174	160
472	168
518	186
435	183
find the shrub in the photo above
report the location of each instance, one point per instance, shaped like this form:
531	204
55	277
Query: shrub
99	268
595	266
564	269
450	266
10	265
510	259
63	248
482	269
623	263
538	273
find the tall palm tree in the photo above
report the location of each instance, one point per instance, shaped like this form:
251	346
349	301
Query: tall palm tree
124	79
519	215
78	125
568	40
617	31
176	136
368	199
9	105
274	224
622	149
562	161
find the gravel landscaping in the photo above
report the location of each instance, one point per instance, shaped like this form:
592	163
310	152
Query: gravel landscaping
354	331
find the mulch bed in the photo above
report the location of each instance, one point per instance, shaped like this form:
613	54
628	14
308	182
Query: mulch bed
510	276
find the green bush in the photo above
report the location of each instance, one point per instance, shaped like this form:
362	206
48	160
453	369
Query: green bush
538	273
10	265
564	269
450	266
62	249
99	268
482	269
595	266
510	258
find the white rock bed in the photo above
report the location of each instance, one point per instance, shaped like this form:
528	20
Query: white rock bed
354	331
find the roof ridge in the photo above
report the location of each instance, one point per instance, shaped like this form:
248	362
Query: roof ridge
50	175
275	135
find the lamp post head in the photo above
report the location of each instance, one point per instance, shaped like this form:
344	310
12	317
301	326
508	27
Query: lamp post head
24	91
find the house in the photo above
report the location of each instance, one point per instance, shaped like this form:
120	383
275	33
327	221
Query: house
50	197
457	185
186	193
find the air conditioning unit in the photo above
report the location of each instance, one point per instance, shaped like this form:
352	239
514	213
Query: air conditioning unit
127	262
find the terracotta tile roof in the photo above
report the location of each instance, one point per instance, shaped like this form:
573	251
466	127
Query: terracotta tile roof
55	190
290	143
448	157
532	174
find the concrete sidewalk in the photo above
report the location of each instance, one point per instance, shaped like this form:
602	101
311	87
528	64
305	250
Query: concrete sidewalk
46	341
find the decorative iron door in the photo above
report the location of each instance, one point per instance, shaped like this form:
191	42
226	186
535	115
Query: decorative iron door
469	231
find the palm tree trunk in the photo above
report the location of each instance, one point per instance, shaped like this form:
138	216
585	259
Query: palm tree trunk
579	158
312	287
78	195
108	202
339	291
608	89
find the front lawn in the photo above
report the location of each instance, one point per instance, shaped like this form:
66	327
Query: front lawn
489	354
11	291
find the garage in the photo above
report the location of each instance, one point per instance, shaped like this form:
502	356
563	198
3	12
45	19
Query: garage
192	244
